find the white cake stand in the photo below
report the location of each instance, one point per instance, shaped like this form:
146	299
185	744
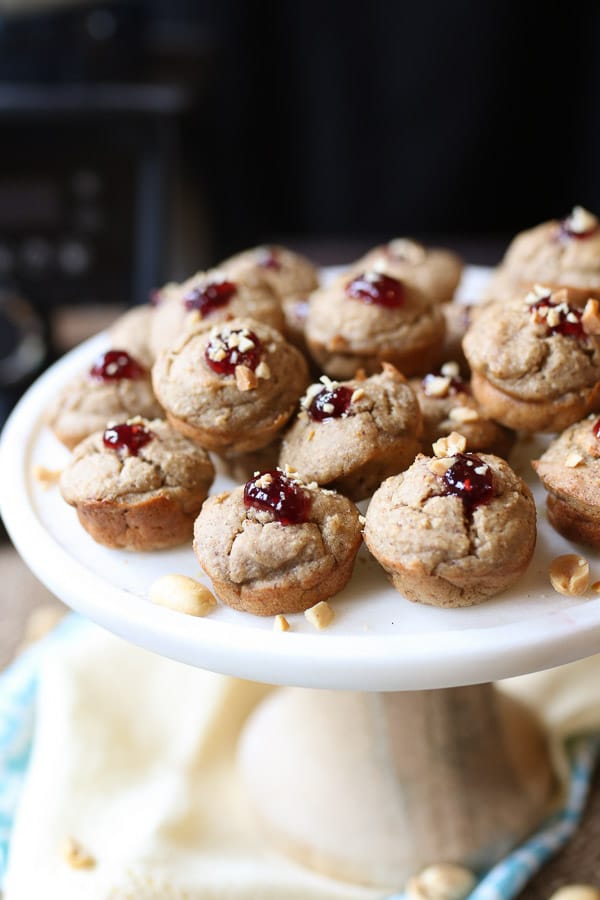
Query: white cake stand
379	642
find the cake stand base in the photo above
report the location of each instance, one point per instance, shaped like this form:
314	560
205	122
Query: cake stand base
371	787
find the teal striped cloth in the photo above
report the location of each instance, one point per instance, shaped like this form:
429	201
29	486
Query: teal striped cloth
18	689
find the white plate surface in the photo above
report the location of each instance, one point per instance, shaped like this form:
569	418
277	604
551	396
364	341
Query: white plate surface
379	640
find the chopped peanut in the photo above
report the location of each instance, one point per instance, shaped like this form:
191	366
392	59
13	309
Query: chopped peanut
245	378
281	624
464	414
570	574
443	881
450	446
573	460
263	371
590	319
182	594
76	856
440	466
320	615
47	478
576	892
437	386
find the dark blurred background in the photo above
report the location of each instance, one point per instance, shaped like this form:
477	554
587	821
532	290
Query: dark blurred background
141	141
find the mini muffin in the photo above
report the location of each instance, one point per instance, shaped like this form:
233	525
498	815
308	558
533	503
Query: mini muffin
535	361
458	317
287	273
452	530
563	253
295	313
277	545
231	388
241	466
363	320
570	472
447	405
116	386
137	485
436	272
351	435
209	298
131	331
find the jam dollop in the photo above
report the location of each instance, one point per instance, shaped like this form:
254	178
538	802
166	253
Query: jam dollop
596	429
378	289
330	403
470	478
116	364
268	259
210	296
568	318
231	348
129	437
277	493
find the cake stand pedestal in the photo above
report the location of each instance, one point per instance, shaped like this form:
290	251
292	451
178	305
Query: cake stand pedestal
373	787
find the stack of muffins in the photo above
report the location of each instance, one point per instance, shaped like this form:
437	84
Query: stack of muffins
317	397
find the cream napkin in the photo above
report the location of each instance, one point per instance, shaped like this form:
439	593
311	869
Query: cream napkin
134	759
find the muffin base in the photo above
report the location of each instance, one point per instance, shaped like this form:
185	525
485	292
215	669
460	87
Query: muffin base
152	524
344	365
524	415
282	599
420	586
231	441
573	522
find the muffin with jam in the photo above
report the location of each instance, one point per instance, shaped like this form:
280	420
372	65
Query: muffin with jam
453	530
558	253
137	485
208	298
447	404
277	544
570	472
363	320
231	388
535	361
436	271
351	435
116	386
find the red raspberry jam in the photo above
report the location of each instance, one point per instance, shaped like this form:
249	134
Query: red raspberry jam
330	403
127	437
569	318
275	492
268	259
210	296
376	288
470	479
229	349
597	430
116	364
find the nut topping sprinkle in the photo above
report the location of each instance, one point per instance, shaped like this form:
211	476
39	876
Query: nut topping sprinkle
228	348
579	224
570	574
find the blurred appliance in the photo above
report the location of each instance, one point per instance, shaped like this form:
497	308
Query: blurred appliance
93	102
84	187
